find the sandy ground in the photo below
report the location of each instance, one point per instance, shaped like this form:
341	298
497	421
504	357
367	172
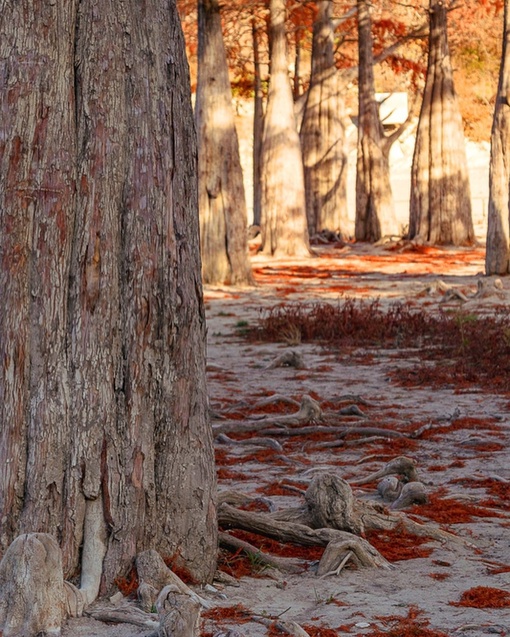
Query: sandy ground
357	602
367	596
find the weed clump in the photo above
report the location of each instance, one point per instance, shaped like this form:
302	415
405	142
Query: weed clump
455	347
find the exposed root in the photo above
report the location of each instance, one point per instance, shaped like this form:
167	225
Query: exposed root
283	564
401	466
288	359
256	440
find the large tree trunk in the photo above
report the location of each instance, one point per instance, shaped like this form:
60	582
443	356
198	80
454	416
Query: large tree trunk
323	134
222	201
284	228
258	124
375	214
440	207
497	258
103	414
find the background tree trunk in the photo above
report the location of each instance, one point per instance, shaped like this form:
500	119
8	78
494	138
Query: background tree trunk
497	258
284	228
440	206
323	134
222	201
258	125
375	214
102	327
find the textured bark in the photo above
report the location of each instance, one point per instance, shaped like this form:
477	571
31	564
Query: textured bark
284	227
375	214
497	258
222	202
258	125
323	134
32	594
102	327
440	207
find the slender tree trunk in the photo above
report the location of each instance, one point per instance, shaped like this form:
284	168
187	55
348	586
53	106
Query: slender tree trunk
323	134
296	84
222	201
375	215
258	126
440	207
284	228
497	259
102	329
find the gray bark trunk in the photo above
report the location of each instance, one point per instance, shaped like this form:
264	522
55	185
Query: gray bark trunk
258	125
284	228
323	134
222	201
102	324
497	258
375	215
440	207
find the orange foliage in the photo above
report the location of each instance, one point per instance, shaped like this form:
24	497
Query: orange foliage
397	544
410	626
237	613
450	511
267	545
484	597
174	563
128	585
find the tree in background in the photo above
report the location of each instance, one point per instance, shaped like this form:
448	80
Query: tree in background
284	228
497	258
222	202
323	133
375	215
258	118
103	408
440	207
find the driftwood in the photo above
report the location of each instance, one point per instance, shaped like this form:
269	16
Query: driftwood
288	359
286	627
401	466
32	596
255	440
295	533
309	411
179	614
332	517
123	612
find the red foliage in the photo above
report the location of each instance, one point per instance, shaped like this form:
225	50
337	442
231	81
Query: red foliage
484	597
451	511
410	626
397	544
277	548
174	563
495	487
128	585
236	564
237	613
227	474
280	488
449	344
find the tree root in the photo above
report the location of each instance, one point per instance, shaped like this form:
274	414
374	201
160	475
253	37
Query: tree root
283	564
288	359
256	440
401	466
295	533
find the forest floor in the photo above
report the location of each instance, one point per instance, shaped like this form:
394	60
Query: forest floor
464	463
461	455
